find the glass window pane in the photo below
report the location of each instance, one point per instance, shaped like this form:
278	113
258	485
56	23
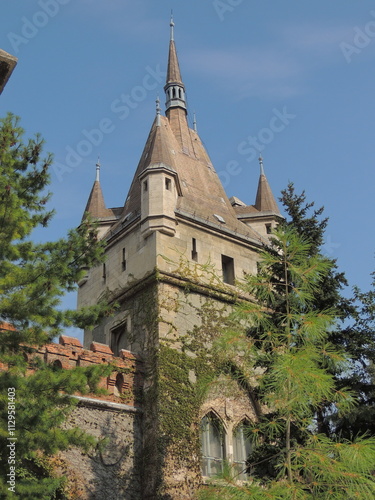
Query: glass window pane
212	440
241	450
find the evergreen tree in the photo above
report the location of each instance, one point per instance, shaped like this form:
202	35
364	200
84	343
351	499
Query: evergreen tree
33	278
354	332
359	340
286	348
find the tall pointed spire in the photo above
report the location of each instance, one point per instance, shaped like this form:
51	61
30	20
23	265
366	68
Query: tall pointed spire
174	88
95	205
265	200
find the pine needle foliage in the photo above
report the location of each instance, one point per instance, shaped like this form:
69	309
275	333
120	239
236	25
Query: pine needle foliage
354	333
283	342
33	279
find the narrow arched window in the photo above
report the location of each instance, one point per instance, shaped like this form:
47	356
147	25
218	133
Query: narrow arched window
241	450
213	442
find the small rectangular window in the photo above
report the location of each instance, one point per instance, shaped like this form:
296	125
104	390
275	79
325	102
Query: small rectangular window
194	253
145	186
167	183
227	264
104	273
268	228
123	262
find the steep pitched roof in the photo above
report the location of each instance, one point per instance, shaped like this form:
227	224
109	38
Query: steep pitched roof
202	194
173	72
265	201
95	205
171	144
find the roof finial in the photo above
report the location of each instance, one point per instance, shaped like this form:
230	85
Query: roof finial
98	169
261	164
194	122
171	24
158	109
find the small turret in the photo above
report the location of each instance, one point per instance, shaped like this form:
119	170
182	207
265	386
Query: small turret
96	208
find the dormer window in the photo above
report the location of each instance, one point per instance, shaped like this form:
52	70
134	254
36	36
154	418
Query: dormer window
220	218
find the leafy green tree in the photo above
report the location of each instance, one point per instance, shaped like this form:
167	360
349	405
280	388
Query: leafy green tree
33	278
285	346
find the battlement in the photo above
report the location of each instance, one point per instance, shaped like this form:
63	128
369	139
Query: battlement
123	385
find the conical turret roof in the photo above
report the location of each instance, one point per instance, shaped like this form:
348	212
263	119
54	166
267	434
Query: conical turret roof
265	200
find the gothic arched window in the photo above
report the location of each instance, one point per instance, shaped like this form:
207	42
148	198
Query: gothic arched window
213	445
241	450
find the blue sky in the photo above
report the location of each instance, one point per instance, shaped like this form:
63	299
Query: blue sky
89	72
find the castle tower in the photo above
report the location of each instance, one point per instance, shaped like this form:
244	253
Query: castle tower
174	252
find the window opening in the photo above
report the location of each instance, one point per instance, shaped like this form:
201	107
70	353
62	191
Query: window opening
167	183
120	339
194	253
268	228
227	264
123	262
145	186
104	273
212	442
119	385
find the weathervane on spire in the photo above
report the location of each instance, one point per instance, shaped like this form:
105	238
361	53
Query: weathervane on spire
171	24
98	169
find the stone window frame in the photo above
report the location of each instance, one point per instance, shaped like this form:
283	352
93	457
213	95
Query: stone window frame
229	428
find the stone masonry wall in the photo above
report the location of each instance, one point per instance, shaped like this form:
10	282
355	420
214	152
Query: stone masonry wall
113	471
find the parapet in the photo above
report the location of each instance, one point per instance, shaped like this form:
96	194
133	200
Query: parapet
124	384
